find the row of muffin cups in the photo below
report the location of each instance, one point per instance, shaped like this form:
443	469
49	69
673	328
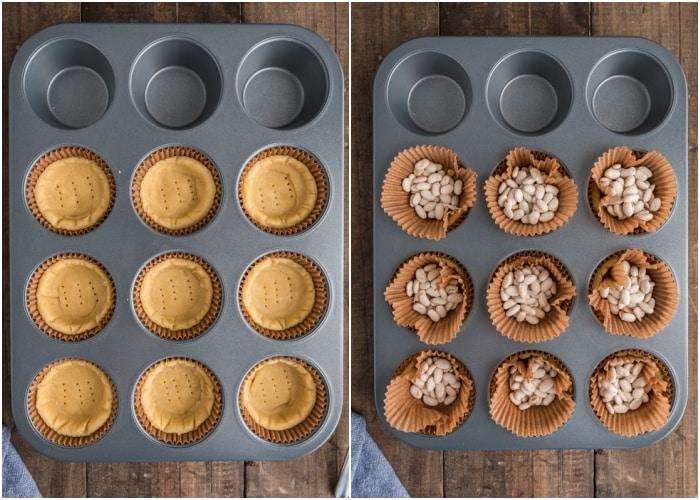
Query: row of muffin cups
408	187
176	190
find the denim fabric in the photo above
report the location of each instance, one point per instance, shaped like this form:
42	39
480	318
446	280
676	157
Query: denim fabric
372	476
16	480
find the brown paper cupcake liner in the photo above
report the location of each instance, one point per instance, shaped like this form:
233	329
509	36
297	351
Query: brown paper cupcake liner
314	316
556	175
162	154
650	416
662	176
408	414
186	333
52	435
428	331
395	201
555	321
299	431
321	186
31	299
52	157
609	273
537	420
188	437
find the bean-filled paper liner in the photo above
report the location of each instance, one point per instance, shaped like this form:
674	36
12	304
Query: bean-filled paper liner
429	331
650	416
48	432
408	414
185	333
52	157
316	312
396	202
555	174
536	420
162	154
554	322
299	431
609	274
32	298
661	176
187	437
317	173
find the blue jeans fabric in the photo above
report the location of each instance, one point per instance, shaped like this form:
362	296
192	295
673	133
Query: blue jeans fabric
16	480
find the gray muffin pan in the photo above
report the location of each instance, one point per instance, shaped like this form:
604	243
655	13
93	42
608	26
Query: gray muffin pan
124	91
573	98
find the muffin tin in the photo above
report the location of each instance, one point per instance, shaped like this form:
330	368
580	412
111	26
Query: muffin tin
124	91
573	98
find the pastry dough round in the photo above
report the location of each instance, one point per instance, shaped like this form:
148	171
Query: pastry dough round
73	193
279	394
278	191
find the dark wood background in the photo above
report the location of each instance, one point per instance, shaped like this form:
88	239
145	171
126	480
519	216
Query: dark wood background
314	475
668	468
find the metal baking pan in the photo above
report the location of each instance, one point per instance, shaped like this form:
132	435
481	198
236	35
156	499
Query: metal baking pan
124	91
573	98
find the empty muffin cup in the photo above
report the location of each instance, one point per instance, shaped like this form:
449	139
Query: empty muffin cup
69	83
429	93
282	83
176	83
529	92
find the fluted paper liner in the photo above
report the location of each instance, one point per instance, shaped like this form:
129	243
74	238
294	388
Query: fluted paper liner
408	414
555	174
162	154
396	202
186	333
48	432
555	321
188	437
609	273
429	331
650	416
31	299
314	316
299	431
661	176
317	173
537	420
52	157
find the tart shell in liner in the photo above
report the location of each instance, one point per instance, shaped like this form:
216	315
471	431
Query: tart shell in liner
317	310
429	331
650	416
52	157
555	321
609	273
186	333
299	431
163	154
554	173
188	437
317	173
408	414
48	432
32	298
536	420
396	202
661	175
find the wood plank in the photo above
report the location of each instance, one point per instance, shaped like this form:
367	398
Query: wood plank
208	12
155	12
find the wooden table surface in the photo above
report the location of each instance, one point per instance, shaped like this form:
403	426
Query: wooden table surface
668	468
314	475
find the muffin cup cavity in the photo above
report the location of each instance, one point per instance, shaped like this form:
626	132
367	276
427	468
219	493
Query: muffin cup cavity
629	92
429	93
529	92
282	83
175	83
69	83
